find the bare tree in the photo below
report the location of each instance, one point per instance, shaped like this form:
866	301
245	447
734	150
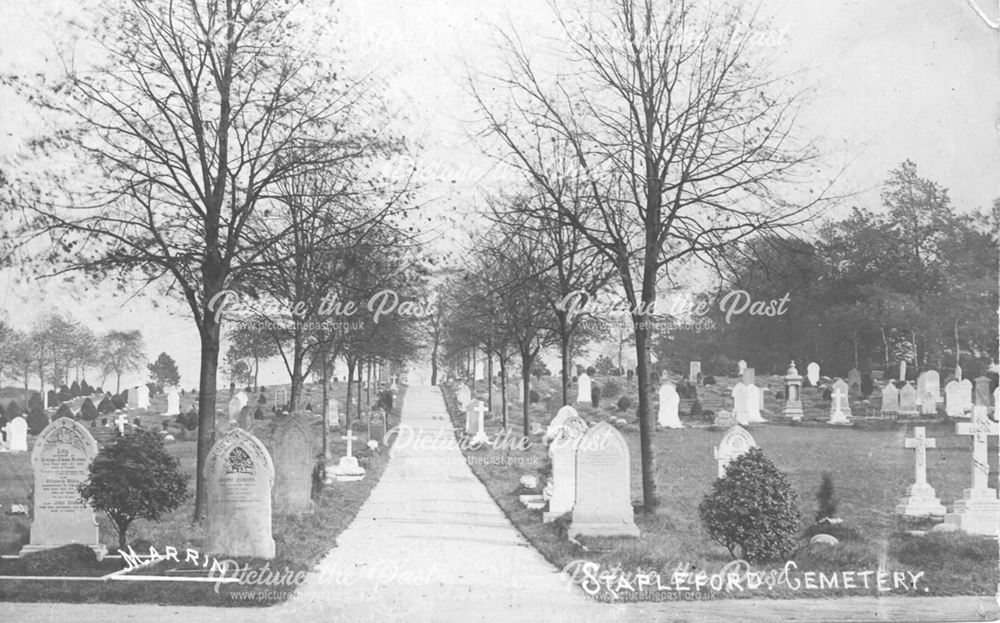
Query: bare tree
196	113
682	139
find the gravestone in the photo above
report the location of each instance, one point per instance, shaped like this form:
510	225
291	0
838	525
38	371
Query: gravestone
953	402
741	365
902	371
141	394
669	403
173	402
61	462
240	476
245	420
694	369
348	469
557	422
333	413
908	400
294	460
583	389
854	380
890	399
132	398
16	432
812	373
748	376
965	395
235	406
755	398
840	405
741	403
920	499
603	505
475	413
996	404
376	426
463	395
562	453
981	393
977	511
734	443
932	385
222	425
793	394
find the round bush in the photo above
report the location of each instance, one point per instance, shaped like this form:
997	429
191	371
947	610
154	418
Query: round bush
106	406
87	410
753	510
624	403
591	371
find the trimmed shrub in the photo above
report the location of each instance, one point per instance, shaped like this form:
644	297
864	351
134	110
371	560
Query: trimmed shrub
64	395
262	399
132	478
121	400
106	406
51	397
611	389
867	385
74	389
37	421
591	371
87	410
258	413
696	410
624	403
85	389
708	380
64	411
827	394
826	504
533	397
753	510
189	420
12	410
595	395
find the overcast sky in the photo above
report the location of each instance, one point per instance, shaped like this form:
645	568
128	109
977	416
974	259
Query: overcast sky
892	79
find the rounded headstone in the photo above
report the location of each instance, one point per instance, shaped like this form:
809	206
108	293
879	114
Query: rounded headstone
823	539
529	482
945	527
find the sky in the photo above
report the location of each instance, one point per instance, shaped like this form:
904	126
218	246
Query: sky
888	80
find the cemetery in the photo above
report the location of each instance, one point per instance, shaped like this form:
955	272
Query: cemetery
272	509
914	458
489	311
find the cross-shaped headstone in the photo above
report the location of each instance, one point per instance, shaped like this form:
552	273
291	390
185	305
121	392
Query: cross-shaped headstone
980	428
481	410
838	397
349	438
920	442
121	421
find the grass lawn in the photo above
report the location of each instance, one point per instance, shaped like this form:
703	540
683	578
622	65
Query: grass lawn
300	541
870	468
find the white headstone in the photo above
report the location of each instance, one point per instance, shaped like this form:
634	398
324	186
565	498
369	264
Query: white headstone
920	499
741	365
741	403
694	369
908	400
812	373
294	461
463	395
348	469
734	443
557	422
890	399
603	505
142	397
965	395
755	397
475	413
840	406
669	403
954	402
583	389
240	475
996	404
16	432
562	453
173	402
235	406
61	462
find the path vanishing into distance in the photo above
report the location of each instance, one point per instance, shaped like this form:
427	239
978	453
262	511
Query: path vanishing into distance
430	545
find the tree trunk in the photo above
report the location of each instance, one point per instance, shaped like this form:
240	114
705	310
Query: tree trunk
297	376
489	379
642	373
326	410
434	357
564	357
526	360
206	407
361	375
347	402
503	390
123	538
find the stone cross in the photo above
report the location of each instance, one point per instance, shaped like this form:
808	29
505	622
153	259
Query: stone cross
838	397
349	438
481	410
980	428
920	442
121	421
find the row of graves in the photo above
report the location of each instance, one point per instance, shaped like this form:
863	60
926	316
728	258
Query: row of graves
246	482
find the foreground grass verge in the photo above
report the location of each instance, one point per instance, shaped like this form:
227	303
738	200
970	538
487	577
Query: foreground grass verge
866	468
301	541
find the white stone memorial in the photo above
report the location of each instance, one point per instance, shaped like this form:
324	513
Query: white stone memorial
978	509
920	499
812	373
583	389
16	432
669	403
840	406
562	453
173	402
741	403
890	399
735	443
603	505
755	399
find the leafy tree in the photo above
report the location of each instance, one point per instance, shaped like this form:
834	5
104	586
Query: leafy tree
134	477
752	510
604	366
164	372
122	352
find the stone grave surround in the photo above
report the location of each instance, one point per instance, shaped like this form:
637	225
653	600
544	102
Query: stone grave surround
240	475
61	461
603	505
562	453
294	461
